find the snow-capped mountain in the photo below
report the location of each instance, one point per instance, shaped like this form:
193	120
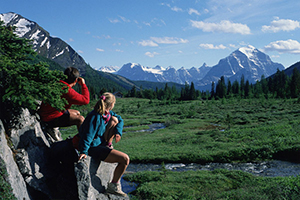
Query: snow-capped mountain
109	69
247	61
136	72
44	44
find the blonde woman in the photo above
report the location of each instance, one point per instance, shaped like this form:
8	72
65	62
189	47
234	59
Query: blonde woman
96	134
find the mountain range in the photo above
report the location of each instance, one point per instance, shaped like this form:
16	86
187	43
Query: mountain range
53	49
247	61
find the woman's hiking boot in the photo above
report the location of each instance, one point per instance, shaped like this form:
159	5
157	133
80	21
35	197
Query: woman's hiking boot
115	188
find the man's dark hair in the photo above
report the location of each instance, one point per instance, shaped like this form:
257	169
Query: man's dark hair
72	74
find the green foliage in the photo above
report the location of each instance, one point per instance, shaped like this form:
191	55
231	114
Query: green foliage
210	131
23	83
5	189
217	184
166	93
235	130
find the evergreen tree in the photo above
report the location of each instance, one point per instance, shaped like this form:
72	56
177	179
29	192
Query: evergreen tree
258	89
280	84
247	89
192	92
133	91
103	90
92	92
264	85
295	83
242	85
167	92
22	84
235	87
221	88
212	91
229	88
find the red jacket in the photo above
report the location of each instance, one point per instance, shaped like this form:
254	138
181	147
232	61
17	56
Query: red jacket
48	113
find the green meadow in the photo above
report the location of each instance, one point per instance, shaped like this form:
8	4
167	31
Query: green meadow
203	131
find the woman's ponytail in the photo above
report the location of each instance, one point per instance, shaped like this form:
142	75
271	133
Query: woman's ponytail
105	101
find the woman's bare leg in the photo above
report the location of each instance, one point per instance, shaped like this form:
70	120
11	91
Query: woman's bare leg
109	133
122	159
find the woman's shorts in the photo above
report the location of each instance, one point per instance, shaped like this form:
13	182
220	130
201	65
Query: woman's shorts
99	152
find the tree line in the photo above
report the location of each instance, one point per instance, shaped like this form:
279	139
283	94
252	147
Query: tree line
279	85
188	92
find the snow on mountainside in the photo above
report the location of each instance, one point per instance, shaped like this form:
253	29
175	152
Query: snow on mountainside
45	45
136	72
247	61
109	69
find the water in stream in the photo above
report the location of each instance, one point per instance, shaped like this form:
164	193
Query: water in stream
266	168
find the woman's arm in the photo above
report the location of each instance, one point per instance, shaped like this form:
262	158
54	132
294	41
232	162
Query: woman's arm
119	127
87	132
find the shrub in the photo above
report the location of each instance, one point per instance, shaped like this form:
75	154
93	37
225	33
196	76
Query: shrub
22	84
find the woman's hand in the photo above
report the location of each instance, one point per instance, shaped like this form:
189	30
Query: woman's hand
82	156
117	138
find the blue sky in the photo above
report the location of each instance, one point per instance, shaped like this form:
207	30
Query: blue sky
178	33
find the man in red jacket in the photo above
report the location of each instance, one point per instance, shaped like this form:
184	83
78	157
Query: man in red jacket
68	117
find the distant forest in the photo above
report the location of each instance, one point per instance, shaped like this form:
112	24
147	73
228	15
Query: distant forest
280	85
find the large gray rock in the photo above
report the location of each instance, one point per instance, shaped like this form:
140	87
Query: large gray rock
14	177
45	167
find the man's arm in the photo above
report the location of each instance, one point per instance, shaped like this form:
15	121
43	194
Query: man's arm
74	97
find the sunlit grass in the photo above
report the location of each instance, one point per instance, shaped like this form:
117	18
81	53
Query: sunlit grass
235	130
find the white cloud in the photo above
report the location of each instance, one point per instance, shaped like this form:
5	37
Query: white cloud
224	26
119	50
193	11
151	55
114	21
281	25
149	43
284	46
101	50
71	40
211	46
79	51
147	23
124	19
176	9
169	40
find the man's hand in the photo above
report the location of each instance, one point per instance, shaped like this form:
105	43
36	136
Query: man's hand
80	81
82	156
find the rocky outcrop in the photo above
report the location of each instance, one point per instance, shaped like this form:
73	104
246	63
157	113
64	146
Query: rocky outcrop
14	176
40	167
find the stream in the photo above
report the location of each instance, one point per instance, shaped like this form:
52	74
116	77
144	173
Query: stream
271	168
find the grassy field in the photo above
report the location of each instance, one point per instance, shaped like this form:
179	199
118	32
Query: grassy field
226	130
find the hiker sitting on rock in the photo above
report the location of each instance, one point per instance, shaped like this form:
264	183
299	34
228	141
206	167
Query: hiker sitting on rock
96	134
68	117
